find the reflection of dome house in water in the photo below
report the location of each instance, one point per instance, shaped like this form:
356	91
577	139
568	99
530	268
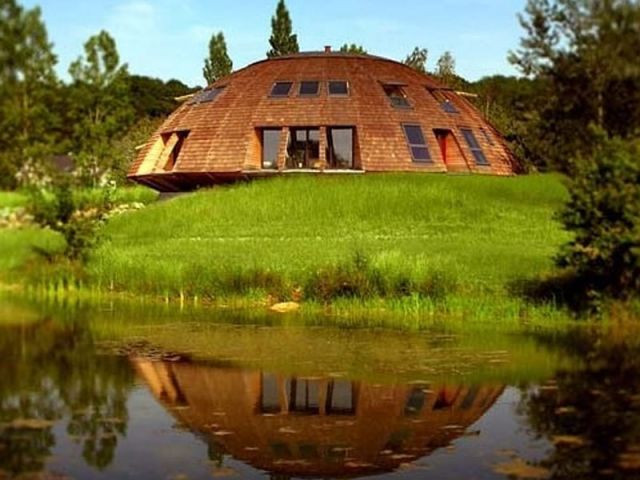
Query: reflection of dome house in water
315	427
320	111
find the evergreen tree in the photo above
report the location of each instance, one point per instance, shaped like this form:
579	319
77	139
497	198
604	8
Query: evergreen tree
27	86
417	59
100	98
283	41
353	49
218	64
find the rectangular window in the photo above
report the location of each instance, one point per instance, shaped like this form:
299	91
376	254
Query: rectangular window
417	143
270	147
269	394
487	137
340	148
303	396
340	398
281	89
206	96
396	96
309	88
303	150
474	146
338	88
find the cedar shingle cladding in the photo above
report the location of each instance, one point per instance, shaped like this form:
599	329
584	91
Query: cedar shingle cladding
222	135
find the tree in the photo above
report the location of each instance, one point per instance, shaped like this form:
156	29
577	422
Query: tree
283	41
27	86
218	64
101	102
151	97
603	213
417	59
583	51
353	49
446	66
446	69
511	104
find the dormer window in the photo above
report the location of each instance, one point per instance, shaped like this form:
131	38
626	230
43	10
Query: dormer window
309	88
338	88
281	89
396	95
443	98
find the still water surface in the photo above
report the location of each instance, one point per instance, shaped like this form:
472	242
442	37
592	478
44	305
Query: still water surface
113	394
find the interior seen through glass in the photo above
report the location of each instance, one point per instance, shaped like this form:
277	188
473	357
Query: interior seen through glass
340	149
270	147
303	150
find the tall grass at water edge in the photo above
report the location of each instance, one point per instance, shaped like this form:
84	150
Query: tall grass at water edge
421	236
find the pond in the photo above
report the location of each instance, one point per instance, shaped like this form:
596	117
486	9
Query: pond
111	392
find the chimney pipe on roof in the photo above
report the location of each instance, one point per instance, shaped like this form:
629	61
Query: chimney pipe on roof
327	49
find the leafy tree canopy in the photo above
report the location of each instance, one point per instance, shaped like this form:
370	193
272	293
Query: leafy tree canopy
586	54
417	59
27	81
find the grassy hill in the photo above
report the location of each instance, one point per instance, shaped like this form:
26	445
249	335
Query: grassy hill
473	234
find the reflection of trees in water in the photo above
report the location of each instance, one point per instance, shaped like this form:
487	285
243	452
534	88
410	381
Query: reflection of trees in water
591	413
50	370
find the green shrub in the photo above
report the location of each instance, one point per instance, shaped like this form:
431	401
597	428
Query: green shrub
58	209
603	212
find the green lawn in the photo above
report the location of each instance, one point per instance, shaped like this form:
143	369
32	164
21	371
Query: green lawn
483	232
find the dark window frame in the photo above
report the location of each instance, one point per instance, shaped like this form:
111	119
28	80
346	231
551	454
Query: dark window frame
346	82
405	104
413	146
477	152
316	94
282	82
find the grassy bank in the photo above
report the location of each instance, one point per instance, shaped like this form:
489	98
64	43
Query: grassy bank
419	242
426	244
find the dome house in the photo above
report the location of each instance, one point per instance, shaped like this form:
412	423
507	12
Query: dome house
320	112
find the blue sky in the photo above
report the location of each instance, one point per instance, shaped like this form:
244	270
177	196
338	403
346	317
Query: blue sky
168	38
